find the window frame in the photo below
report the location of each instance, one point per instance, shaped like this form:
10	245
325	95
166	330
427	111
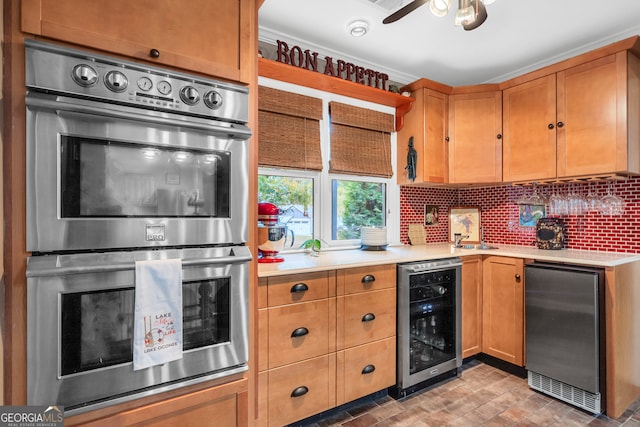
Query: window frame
322	181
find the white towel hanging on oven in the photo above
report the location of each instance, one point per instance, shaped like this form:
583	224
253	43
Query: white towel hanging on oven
157	337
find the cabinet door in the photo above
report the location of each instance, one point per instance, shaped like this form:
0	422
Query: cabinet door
364	279
592	117
503	308
300	390
427	123
366	317
475	138
298	331
471	305
298	288
211	37
529	124
365	369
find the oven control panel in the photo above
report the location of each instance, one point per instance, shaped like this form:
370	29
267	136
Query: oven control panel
70	72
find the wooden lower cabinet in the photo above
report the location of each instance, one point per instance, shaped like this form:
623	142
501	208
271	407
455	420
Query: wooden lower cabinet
503	308
365	369
225	405
347	349
471	305
299	390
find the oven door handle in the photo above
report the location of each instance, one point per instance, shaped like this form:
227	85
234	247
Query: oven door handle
56	270
99	109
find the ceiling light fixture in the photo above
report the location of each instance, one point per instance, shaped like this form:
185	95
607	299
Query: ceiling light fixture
470	14
465	14
358	28
440	7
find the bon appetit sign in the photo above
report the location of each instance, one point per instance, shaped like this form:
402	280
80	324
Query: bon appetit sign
308	60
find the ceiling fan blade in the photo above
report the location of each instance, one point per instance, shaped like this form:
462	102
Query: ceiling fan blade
481	13
400	13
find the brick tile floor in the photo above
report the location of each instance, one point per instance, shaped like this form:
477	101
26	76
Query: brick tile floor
481	396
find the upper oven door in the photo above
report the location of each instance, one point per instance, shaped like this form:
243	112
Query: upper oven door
102	176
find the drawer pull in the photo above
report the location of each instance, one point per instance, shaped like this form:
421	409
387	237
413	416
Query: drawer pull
369	278
368	369
300	332
368	317
299	287
300	391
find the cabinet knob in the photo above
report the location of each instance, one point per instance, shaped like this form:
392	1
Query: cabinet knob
560	124
551	126
368	369
369	278
300	391
446	139
499	136
518	278
299	287
154	53
299	332
369	317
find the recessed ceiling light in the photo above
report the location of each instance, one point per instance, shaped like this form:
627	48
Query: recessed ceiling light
358	28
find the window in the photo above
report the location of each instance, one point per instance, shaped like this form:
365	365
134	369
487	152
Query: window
356	204
293	195
342	190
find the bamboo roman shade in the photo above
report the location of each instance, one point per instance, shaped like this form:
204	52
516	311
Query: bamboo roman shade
360	141
288	130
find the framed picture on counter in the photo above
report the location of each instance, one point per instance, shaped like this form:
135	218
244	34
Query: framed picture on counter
430	215
466	221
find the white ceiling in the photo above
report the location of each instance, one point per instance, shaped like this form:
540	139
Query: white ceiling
518	36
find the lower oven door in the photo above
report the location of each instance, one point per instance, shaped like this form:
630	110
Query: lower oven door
81	318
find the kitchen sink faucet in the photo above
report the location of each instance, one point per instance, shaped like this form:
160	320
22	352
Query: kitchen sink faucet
458	238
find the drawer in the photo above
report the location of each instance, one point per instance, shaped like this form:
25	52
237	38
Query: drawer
296	288
365	369
300	390
361	279
309	321
366	317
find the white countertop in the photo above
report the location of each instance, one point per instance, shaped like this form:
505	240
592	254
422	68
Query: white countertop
336	259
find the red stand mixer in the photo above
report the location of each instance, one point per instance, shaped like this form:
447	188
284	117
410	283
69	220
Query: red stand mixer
272	236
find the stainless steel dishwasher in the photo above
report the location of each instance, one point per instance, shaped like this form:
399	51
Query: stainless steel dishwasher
565	346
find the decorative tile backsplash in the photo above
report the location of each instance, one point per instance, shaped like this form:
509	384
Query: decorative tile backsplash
500	214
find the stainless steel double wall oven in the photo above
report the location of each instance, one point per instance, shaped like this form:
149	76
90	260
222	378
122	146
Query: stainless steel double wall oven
129	162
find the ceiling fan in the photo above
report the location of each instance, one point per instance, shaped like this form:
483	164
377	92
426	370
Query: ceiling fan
470	14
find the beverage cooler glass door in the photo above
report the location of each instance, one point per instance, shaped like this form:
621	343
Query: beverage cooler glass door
428	324
105	177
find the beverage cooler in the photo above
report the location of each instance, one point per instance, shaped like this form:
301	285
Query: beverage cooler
429	328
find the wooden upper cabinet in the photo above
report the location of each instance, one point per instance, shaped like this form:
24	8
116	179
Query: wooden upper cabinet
529	130
475	137
598	117
209	37
427	123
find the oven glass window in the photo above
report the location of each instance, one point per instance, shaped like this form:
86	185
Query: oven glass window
103	178
97	327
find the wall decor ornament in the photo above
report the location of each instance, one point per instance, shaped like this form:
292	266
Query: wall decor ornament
412	159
